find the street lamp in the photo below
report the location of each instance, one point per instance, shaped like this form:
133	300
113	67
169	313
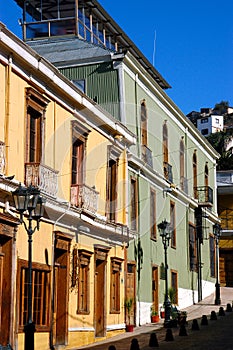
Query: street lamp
217	233
29	199
165	234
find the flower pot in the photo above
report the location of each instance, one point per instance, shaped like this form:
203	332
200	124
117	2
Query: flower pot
162	314
154	318
129	327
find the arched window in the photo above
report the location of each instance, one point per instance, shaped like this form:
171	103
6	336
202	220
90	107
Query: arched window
165	142
182	178
143	123
195	174
206	175
165	150
206	182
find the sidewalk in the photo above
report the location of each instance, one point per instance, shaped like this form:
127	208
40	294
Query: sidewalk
143	333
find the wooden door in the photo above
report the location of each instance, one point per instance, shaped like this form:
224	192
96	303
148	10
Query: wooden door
155	289
61	274
5	290
100	298
226	268
131	290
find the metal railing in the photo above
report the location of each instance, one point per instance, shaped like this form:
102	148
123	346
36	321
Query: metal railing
42	176
184	184
167	169
85	197
147	156
204	195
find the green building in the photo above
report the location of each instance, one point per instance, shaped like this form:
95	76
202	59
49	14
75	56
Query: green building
171	169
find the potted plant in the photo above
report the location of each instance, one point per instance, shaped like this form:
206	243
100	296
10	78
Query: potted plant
128	307
154	315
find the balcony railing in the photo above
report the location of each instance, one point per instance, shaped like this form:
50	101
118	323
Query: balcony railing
167	168
184	184
204	195
85	197
42	176
226	217
147	156
2	157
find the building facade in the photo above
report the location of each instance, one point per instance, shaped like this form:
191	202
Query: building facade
225	210
171	168
55	138
114	157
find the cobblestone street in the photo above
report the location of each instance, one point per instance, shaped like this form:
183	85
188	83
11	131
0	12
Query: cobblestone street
218	334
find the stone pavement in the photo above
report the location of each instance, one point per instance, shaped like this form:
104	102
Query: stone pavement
217	335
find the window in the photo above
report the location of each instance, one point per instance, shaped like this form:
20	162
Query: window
81	84
36	106
204	120
115	285
143	124
192	248
206	175
212	256
112	189
167	169
174	285
112	183
206	182
165	142
217	120
182	178
40	294
173	224
78	162
83	281
79	141
152	214
195	194
205	131
134	204
34	136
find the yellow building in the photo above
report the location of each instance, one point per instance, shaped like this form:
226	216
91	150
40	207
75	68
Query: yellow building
225	209
54	137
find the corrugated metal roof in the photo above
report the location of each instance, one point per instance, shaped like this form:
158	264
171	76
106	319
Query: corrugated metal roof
69	50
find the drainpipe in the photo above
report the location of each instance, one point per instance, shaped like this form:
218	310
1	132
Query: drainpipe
7	113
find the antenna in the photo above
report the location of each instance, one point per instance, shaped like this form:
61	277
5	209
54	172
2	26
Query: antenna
154	49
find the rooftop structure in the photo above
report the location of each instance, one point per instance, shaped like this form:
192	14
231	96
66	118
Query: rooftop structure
85	20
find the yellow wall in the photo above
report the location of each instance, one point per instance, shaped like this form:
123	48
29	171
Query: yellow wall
58	156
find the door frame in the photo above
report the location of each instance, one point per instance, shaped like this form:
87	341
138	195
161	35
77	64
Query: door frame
155	302
62	243
101	253
8	230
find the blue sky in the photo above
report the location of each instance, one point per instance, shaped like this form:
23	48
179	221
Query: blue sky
193	46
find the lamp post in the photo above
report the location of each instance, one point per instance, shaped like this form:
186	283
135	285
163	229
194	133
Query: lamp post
165	234
29	199
217	234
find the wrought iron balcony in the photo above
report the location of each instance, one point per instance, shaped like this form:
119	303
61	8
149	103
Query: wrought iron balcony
226	216
2	157
85	197
184	184
167	169
147	156
204	195
42	176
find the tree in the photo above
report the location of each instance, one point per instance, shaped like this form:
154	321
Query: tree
221	107
220	141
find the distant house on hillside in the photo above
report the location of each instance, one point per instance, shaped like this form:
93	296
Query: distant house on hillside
207	121
211	120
